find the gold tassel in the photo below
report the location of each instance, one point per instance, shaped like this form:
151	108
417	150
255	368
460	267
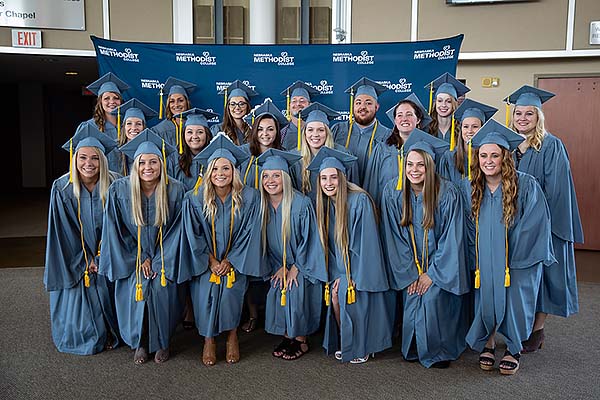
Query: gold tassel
163	276
506	269
71	160
253	118
86	278
230	278
118	124
400	169
225	102
452	138
180	134
299	133
160	110
214	278
350	120
164	154
477	279
327	295
430	97
507	117
351	295
283	298
506	278
197	185
289	113
256	173
139	295
470	155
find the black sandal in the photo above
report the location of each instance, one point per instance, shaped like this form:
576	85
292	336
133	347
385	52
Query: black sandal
282	347
509	367
487	363
250	325
295	351
188	325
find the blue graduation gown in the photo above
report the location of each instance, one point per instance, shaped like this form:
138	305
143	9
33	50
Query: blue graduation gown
109	128
289	134
249	169
359	141
175	171
551	167
167	130
445	137
509	310
302	313
366	325
241	136
447	168
437	320
118	263
216	307
82	317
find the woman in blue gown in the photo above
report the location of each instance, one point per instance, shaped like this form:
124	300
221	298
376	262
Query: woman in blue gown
544	156
178	101
220	246
237	106
81	301
444	92
139	248
295	257
408	115
422	230
509	231
359	309
471	115
108	88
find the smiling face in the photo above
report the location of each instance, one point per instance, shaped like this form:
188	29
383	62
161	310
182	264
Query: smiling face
88	164
525	119
272	181
266	132
316	134
177	103
469	127
221	175
406	119
238	107
133	126
149	168
365	107
297	104
415	169
490	160
195	137
329	181
443	105
110	101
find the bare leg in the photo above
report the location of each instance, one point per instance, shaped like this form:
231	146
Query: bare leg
233	347
540	320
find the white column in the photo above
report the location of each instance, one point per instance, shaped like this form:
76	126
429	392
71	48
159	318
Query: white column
31	122
263	14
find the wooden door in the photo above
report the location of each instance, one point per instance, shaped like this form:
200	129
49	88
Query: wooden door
574	116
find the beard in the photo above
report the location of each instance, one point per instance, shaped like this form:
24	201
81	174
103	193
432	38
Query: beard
364	121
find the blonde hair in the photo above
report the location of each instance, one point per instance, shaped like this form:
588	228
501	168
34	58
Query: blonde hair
307	156
161	198
209	194
105	178
536	137
431	189
123	138
286	209
435	124
510	186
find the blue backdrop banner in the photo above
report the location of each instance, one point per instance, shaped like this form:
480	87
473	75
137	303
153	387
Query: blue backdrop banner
403	67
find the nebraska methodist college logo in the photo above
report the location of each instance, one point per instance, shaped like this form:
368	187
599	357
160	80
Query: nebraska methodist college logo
222	85
402	86
446	53
204	59
125	55
363	59
322	87
284	59
150	83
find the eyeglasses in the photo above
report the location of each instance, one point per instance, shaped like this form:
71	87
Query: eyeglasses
241	104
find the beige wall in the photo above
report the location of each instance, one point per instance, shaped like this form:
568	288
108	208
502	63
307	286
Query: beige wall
141	20
585	12
381	20
63	39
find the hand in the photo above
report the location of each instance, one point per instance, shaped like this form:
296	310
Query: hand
292	277
93	268
213	264
423	284
277	278
226	267
412	288
147	269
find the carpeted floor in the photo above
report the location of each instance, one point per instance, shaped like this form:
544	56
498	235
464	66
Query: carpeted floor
568	367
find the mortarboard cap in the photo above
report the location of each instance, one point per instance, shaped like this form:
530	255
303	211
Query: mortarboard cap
493	132
273	159
529	96
135	108
178	86
472	108
108	82
300	88
267	107
414	99
239	88
318	112
447	83
88	135
197	116
331	158
419	140
147	142
366	86
221	147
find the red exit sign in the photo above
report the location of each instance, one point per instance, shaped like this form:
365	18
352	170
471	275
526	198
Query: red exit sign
26	38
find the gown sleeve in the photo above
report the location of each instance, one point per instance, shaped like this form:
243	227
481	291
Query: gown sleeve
193	248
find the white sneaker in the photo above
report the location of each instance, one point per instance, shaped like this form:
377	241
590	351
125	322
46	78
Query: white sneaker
338	355
360	360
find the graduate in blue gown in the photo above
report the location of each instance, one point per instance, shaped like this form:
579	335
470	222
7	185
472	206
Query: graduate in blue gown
81	301
298	97
315	135
178	100
237	106
444	92
295	256
363	131
196	136
220	246
360	311
422	231
133	115
406	116
509	229
139	248
470	116
109	90
544	156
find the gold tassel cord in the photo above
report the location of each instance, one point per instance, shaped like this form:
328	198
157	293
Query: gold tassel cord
86	272
214	278
256	173
400	168
162	106
180	134
327	290
351	292
299	133
350	118
284	290
289	112
71	160
139	294
164	154
372	138
198	181
225	102
477	272
118	124
452	138
421	266
248	169
506	269
163	276
507	114
430	97
470	156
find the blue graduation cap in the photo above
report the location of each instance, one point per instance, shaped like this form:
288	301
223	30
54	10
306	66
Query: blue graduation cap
529	96
493	132
273	159
177	86
447	83
472	108
147	142
238	89
198	116
134	108
331	158
221	147
267	107
366	86
414	99
300	88
420	140
318	112
108	82
88	135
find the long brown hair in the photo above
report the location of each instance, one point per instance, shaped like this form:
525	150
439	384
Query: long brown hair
434	125
230	128
185	159
99	117
394	139
169	113
431	190
253	137
510	186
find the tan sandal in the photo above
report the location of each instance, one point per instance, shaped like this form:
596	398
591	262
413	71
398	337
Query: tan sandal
233	350
209	353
